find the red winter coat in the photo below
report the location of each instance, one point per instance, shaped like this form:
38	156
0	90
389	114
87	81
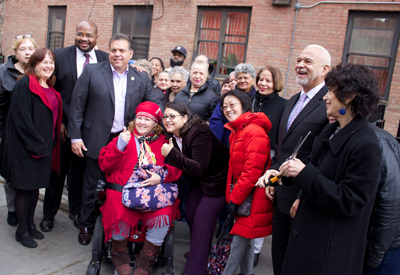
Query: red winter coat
118	167
249	152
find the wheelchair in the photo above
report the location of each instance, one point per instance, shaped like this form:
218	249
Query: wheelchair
101	249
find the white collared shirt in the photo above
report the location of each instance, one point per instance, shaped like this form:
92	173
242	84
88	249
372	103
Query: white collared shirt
80	60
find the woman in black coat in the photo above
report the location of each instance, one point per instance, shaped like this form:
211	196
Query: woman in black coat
30	146
339	181
204	160
197	95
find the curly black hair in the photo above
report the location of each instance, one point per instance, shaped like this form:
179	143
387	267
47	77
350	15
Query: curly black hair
355	81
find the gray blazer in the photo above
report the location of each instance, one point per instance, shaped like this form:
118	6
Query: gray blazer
92	104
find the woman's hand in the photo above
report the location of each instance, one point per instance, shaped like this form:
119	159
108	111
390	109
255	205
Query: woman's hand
126	135
269	192
166	148
63	133
265	178
153	180
291	168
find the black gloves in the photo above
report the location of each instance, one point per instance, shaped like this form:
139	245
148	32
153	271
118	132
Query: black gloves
231	209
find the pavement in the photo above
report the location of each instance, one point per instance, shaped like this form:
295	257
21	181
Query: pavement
59	253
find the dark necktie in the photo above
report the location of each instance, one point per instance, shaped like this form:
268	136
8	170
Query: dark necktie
86	61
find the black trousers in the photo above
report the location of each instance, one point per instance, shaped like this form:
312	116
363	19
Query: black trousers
281	226
72	167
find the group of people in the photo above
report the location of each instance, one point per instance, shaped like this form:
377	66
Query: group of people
81	114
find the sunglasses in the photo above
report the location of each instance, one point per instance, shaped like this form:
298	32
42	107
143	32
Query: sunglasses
23	35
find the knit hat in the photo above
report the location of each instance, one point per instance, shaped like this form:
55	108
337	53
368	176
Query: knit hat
226	81
150	110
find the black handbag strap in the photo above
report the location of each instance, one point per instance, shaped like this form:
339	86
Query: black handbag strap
224	227
114	186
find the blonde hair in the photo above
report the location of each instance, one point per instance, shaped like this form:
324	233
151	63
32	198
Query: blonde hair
19	41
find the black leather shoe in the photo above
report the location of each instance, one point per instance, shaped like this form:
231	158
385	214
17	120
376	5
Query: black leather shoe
256	256
12	218
36	234
75	219
85	235
25	239
46	225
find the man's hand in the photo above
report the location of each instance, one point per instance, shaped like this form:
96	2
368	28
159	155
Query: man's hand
166	148
63	133
77	147
153	180
125	135
294	208
265	178
269	192
291	168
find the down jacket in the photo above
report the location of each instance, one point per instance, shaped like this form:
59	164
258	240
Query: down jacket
384	225
249	158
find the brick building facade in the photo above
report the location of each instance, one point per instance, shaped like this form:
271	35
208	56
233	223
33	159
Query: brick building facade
265	40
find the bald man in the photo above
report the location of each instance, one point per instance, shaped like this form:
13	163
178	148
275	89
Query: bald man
304	112
70	64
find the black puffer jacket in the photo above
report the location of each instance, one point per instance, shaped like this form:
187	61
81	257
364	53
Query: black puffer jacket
384	227
202	103
8	78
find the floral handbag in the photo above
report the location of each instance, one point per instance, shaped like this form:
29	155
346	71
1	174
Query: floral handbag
148	198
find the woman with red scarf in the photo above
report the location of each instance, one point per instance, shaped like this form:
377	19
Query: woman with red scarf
121	159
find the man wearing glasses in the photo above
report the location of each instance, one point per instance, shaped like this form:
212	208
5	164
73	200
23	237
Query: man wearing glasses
70	64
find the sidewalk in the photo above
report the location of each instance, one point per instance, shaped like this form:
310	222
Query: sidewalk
60	253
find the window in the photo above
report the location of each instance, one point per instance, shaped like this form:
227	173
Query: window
56	27
136	23
372	39
222	35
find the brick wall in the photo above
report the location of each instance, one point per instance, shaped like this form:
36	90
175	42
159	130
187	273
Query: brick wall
269	38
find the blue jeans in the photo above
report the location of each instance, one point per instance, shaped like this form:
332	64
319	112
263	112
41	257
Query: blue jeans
390	264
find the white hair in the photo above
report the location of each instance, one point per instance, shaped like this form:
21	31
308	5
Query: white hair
326	57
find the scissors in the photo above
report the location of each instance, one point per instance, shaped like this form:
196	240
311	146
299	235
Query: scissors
272	181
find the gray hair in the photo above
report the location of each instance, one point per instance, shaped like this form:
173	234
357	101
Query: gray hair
245	68
145	66
199	64
202	55
165	72
121	36
326	57
181	71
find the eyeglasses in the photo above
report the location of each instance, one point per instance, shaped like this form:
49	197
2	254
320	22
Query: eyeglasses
80	35
23	36
231	106
171	117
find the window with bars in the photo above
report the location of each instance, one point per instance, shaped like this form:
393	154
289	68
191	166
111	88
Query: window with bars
135	21
372	39
56	27
222	35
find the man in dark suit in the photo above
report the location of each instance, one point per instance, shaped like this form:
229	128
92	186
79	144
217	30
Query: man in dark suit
103	102
304	112
70	63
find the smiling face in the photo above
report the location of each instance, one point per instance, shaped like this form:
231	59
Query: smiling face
177	83
198	74
173	125
245	82
232	108
163	81
45	68
266	83
156	66
225	88
232	81
333	105
120	55
24	51
310	68
144	125
85	37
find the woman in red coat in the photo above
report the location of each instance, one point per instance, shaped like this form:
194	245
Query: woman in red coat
135	147
249	157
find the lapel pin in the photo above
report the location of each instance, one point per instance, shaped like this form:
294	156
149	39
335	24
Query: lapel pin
132	78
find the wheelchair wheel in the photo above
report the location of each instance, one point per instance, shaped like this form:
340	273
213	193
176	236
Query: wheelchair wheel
93	269
97	239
